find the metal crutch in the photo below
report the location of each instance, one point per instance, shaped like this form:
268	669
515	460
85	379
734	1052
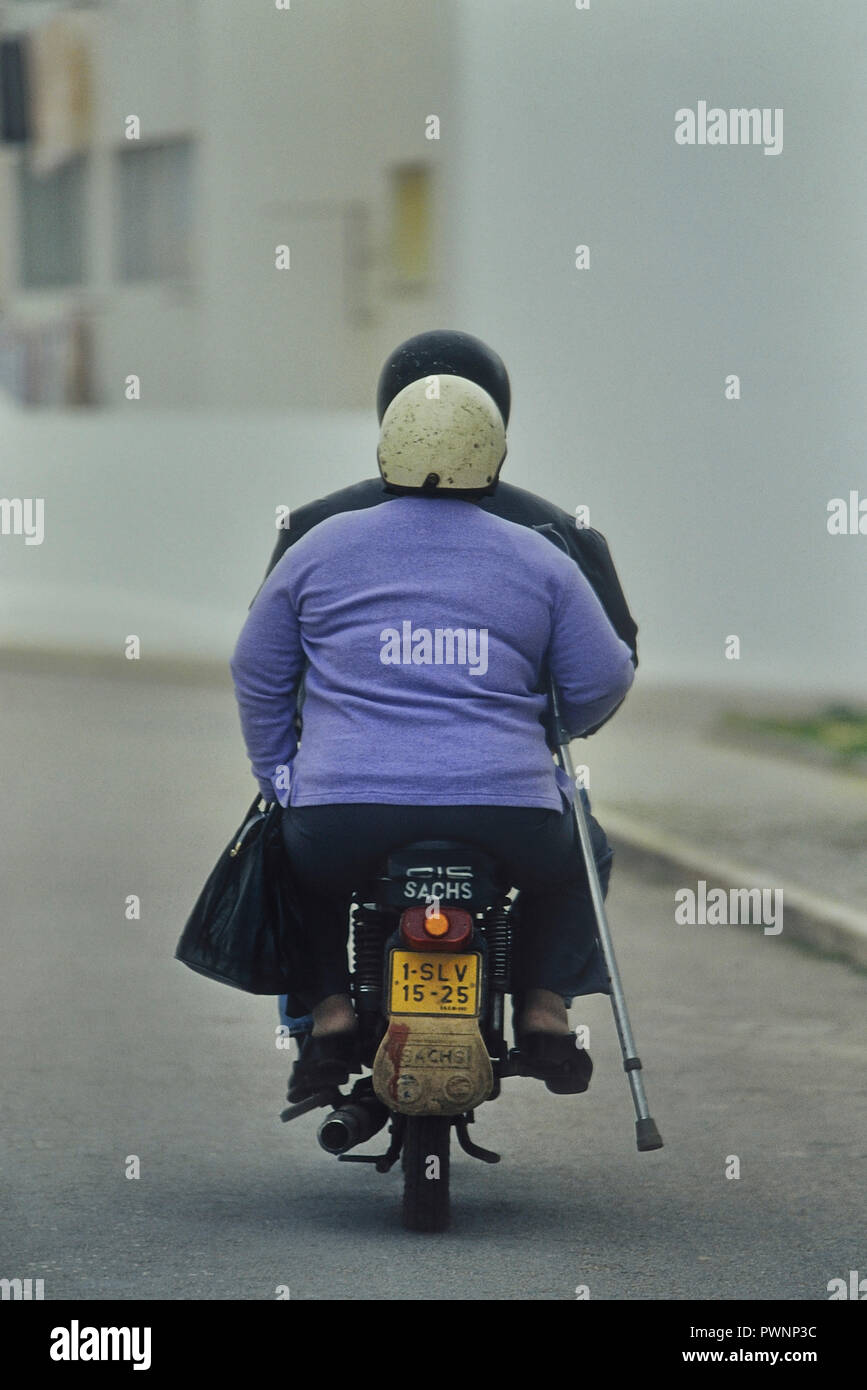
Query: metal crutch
647	1136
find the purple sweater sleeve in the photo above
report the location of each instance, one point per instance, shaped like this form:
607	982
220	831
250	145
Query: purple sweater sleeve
591	666
266	668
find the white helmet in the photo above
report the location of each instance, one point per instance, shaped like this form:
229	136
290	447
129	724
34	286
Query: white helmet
447	433
442	433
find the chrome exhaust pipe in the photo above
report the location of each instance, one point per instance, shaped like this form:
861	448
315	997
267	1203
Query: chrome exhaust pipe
352	1124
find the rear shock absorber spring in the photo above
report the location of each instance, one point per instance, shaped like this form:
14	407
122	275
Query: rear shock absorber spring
498	934
371	927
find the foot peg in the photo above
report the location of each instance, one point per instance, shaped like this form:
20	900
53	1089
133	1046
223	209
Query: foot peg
332	1096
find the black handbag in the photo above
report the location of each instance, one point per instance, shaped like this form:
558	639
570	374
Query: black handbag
245	929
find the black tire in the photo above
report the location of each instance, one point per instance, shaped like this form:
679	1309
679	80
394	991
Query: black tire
426	1198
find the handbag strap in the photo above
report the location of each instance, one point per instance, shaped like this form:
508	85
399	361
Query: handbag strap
256	813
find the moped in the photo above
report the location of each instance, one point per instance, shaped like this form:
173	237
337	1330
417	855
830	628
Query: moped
431	941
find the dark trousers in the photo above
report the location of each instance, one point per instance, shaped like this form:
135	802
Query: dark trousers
334	849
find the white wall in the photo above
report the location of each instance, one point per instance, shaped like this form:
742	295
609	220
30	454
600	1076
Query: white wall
158	524
303	114
161	524
704	261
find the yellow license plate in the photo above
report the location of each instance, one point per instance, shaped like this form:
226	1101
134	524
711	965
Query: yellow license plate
434	982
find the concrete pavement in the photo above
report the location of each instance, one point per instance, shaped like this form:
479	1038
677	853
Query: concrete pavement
681	802
115	785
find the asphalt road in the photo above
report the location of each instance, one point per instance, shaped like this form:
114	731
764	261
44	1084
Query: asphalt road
753	1048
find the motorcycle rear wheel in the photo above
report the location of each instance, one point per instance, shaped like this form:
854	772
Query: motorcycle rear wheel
426	1172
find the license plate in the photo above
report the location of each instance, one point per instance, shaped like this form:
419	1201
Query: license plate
434	982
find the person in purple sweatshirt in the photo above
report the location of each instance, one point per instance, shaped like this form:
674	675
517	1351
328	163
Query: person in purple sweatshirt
423	631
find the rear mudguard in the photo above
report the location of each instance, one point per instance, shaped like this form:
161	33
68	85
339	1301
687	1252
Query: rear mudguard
432	1065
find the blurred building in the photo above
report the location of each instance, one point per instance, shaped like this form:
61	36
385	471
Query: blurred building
156	155
307	128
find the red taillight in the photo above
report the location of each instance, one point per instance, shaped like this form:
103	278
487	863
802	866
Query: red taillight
414	929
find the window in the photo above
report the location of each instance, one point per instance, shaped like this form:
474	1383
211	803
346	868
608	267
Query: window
154	226
51	218
411	228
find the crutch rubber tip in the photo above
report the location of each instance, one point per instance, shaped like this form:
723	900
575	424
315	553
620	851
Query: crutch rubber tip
647	1136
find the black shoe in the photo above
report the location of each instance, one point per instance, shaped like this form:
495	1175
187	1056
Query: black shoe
323	1062
554	1059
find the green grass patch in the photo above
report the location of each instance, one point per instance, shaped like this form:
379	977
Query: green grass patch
839	729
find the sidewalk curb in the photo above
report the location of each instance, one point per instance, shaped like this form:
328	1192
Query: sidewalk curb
831	927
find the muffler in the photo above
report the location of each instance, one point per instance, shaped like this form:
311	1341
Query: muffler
353	1123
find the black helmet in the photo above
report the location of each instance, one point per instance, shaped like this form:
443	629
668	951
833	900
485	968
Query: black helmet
444	352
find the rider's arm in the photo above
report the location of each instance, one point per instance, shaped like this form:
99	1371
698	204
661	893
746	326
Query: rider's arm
591	666
266	667
590	551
